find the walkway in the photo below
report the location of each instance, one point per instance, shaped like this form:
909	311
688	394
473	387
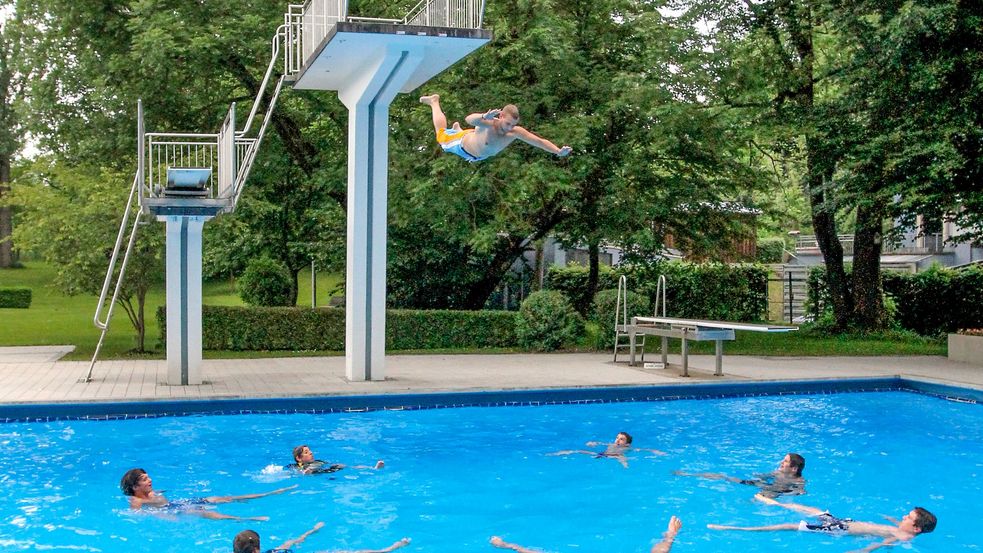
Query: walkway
39	379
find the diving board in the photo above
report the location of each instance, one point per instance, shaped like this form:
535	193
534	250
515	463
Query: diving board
689	329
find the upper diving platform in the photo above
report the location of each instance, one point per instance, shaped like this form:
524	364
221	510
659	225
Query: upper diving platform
328	49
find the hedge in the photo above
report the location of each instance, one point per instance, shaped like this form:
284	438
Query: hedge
930	303
303	329
17	298
699	291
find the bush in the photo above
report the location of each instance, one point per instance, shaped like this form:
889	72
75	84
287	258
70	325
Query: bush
266	283
695	291
304	329
708	290
770	250
931	303
547	321
17	298
572	281
602	312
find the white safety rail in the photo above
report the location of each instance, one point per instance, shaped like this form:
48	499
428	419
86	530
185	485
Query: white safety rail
306	25
458	14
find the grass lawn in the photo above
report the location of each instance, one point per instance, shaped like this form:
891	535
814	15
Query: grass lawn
57	319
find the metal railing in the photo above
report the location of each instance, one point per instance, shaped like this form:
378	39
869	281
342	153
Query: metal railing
459	14
306	25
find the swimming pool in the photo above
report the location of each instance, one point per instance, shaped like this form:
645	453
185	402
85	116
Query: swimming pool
454	477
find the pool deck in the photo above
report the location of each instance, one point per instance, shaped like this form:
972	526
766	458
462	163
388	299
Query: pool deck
36	376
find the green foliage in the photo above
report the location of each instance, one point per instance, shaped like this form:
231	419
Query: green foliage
266	283
70	216
709	290
603	313
547	321
699	291
572	281
770	250
18	298
301	329
931	302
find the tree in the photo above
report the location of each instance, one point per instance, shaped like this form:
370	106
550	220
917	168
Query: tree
69	216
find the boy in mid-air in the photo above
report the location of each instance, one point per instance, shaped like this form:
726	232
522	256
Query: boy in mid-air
493	131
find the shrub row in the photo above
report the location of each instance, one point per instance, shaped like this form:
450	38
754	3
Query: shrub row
930	303
301	329
698	291
18	298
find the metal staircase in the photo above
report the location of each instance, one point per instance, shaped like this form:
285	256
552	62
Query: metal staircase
621	320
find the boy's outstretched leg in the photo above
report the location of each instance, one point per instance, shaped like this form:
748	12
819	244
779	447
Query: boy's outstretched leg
772	528
439	119
231	498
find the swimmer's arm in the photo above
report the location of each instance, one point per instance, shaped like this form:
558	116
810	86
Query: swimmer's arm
535	140
290	543
482	119
656	451
595	444
708	475
502	544
873	546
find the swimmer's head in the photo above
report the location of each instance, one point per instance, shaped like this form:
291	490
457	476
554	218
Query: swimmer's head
303	454
246	541
793	464
623	439
920	520
507	119
134	478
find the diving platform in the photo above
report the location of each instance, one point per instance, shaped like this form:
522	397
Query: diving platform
185	179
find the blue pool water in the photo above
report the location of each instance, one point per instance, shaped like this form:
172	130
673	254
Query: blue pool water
454	477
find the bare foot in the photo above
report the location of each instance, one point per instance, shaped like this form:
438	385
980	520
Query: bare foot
261	519
497	541
401	543
429	100
379	464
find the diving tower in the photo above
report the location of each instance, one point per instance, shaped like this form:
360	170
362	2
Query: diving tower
185	179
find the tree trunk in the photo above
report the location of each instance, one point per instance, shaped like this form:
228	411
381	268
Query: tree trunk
6	216
141	321
295	273
593	275
819	161
868	301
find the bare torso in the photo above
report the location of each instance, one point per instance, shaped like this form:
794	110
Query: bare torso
871	529
485	141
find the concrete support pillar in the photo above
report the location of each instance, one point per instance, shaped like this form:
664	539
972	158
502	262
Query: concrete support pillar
184	299
367	99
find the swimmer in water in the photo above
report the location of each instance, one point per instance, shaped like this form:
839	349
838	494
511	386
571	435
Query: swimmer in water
664	546
137	485
615	450
305	462
917	521
247	541
785	480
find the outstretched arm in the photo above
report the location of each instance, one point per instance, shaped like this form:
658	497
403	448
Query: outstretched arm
804	509
482	119
535	140
707	475
290	543
666	544
502	544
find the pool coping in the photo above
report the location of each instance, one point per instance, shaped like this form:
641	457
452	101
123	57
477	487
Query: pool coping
46	412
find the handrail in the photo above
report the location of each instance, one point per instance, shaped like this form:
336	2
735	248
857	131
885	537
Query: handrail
621	305
660	287
280	34
104	325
